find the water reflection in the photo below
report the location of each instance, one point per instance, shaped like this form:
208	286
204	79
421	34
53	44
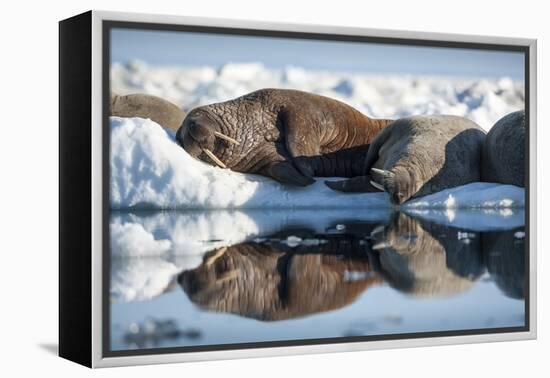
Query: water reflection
271	280
427	259
298	272
210	276
504	256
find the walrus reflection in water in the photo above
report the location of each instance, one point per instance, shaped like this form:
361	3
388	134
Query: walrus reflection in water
275	282
504	254
421	258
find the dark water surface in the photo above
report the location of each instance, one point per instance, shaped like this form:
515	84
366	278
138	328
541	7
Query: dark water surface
218	277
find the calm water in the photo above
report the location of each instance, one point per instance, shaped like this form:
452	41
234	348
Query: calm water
217	277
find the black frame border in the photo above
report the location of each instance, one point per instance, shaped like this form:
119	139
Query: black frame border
108	25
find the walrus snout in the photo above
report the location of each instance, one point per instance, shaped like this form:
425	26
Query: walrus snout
196	133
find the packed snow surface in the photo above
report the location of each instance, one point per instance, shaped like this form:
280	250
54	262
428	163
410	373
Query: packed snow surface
149	170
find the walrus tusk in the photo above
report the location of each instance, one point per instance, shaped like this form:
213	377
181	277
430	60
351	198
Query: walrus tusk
225	137
382	172
377	186
227	276
212	259
380	245
214	157
378	230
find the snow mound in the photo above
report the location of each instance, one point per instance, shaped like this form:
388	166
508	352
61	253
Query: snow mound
149	170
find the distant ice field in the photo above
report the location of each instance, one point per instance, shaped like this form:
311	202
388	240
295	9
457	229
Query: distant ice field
484	101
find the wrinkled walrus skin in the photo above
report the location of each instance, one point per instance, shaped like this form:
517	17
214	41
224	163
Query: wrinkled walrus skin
288	135
504	151
154	108
420	155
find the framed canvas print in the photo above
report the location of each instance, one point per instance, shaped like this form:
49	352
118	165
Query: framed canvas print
232	189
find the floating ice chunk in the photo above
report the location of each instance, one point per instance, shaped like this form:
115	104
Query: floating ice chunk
293	241
478	195
519	235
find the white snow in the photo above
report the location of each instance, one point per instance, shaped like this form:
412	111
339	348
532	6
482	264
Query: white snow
392	96
149	170
478	195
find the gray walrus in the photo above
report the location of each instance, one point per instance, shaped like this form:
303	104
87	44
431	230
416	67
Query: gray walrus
419	155
504	151
287	135
155	108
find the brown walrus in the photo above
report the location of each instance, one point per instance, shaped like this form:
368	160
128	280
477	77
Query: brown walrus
419	155
155	108
287	135
504	151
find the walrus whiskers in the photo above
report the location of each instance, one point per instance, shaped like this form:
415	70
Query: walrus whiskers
214	158
225	137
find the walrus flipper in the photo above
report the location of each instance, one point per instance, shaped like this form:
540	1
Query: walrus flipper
302	142
358	184
285	173
366	183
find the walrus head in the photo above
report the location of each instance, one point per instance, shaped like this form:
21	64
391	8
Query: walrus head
245	134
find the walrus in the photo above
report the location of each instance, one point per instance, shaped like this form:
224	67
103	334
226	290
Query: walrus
288	135
504	151
163	112
419	155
